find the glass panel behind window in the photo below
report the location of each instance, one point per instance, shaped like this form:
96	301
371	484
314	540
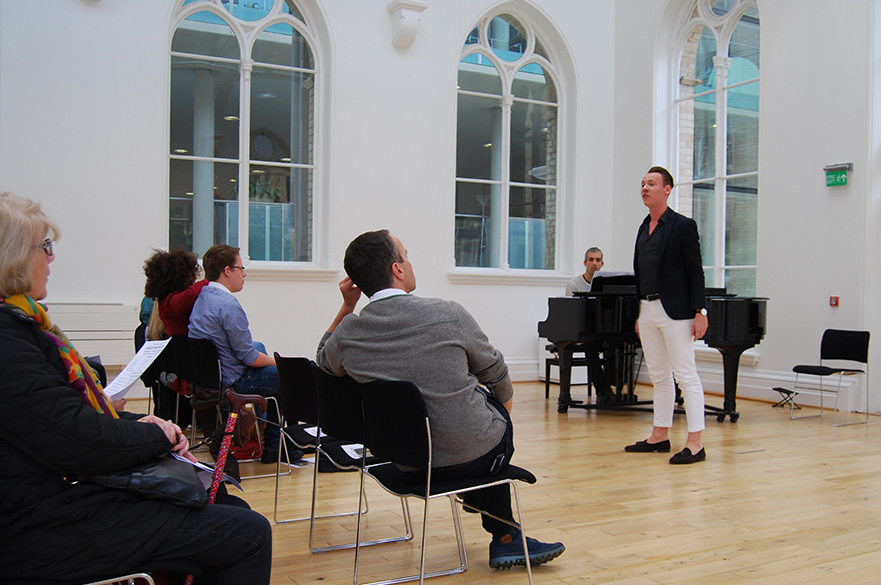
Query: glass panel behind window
741	218
477	224
281	115
532	228
478	138
533	143
204	108
281	44
705	215
204	33
743	129
279	228
204	190
506	37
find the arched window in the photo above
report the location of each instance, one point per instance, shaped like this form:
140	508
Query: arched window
506	160
241	130
718	120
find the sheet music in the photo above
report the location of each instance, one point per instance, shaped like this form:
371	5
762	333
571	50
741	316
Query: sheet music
128	376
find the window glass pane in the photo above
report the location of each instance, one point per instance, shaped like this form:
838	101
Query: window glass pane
532	228
697	73
531	82
249	10
201	213
741	281
744	46
741	216
743	129
204	108
477	226
290	8
479	131
205	33
473	37
704	214
281	44
697	138
506	37
281	120
723	6
540	50
533	143
477	73
279	208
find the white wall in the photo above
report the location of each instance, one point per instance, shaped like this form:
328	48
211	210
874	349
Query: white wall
83	129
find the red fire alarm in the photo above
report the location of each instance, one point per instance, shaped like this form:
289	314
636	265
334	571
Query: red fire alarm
833	301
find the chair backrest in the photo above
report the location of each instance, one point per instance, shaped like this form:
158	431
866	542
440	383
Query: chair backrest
339	406
839	344
183	359
396	422
299	397
206	363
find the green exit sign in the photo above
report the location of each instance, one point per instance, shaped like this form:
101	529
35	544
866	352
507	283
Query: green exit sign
836	178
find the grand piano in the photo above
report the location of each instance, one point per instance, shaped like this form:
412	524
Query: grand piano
608	317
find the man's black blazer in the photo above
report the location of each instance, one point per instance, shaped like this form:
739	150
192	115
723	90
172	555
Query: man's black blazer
680	270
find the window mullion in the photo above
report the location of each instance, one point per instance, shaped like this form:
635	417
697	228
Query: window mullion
504	207
721	64
245	157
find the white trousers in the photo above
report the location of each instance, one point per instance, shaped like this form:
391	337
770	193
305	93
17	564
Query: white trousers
668	347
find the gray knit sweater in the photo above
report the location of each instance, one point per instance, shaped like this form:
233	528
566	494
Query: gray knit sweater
438	346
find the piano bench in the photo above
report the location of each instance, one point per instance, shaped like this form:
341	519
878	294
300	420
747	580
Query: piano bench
555	361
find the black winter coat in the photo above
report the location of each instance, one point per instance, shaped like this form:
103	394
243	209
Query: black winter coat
50	527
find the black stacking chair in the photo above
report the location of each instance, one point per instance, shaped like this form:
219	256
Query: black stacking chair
208	372
836	346
398	430
299	409
340	416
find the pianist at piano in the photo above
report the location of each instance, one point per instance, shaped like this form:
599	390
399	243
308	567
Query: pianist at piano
593	262
672	315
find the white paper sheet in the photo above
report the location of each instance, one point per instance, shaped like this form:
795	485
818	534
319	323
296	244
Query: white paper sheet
128	376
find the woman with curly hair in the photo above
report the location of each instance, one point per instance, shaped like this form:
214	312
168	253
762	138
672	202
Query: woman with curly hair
171	280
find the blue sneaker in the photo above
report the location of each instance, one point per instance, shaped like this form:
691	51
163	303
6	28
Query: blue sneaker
507	551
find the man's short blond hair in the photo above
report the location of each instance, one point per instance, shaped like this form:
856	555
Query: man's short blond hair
23	225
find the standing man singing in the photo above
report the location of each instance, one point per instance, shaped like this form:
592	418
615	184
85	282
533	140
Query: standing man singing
672	315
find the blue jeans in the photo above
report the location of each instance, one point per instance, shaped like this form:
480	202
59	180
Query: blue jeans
262	381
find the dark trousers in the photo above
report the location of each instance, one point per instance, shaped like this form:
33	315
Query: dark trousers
496	499
232	543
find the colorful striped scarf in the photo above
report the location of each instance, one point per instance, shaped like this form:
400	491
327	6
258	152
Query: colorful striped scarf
79	374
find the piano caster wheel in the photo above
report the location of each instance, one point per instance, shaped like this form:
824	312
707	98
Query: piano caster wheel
562	408
720	417
734	417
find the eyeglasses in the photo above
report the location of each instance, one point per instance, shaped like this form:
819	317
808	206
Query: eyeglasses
46	246
242	268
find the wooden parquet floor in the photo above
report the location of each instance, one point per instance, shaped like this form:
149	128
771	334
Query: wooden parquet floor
776	502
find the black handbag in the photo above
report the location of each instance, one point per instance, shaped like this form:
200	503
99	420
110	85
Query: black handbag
165	478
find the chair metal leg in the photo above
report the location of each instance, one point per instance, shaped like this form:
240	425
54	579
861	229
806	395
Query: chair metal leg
835	412
283	445
792	404
133	579
362	510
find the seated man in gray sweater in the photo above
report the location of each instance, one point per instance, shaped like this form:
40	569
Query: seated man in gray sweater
438	346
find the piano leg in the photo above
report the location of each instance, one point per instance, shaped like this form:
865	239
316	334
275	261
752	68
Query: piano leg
565	396
730	366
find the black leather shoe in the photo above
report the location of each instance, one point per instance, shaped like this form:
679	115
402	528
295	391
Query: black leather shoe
646	447
684	457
